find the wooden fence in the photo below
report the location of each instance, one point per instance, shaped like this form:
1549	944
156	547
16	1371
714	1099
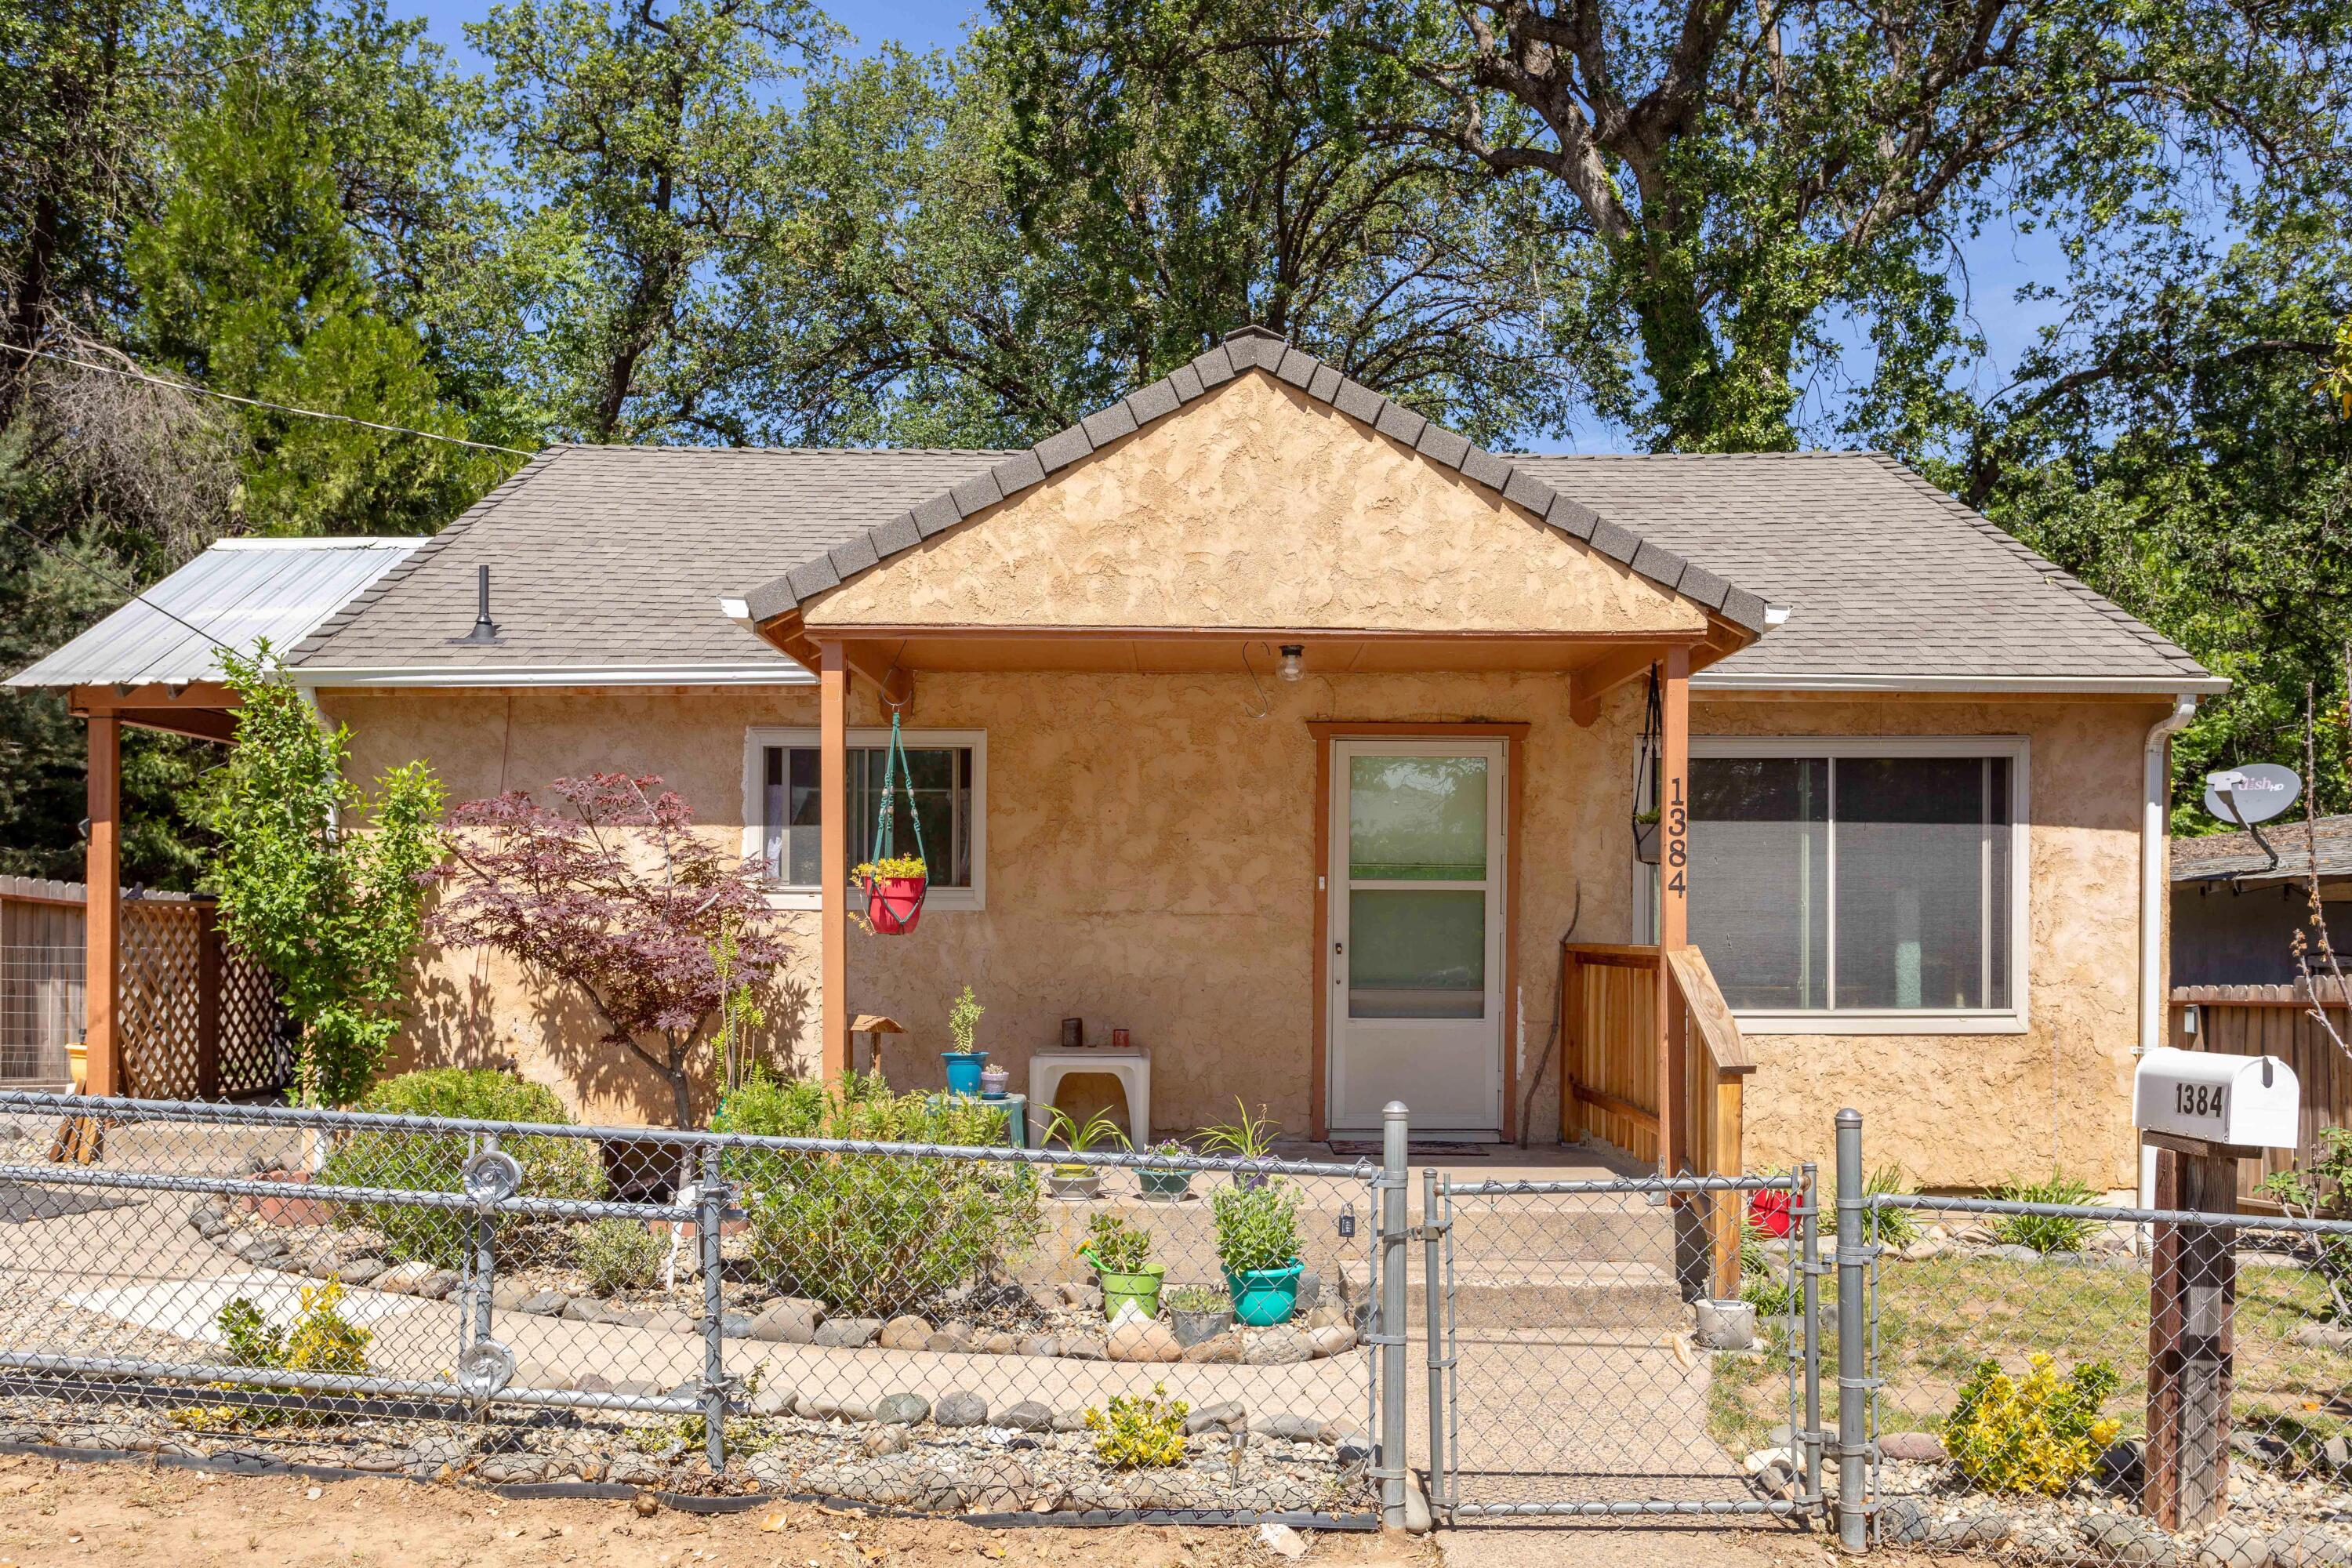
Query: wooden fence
1608	1082
199	1020
2272	1020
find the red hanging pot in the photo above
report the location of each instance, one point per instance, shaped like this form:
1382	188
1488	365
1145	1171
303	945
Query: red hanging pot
1772	1210
893	904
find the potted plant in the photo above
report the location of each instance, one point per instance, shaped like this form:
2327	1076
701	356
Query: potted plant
993	1083
964	1063
1075	1180
1257	1246
894	888
1199	1313
1645	837
1166	1183
1250	1138
1121	1254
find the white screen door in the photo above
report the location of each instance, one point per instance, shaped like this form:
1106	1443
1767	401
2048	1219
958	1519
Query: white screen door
1417	932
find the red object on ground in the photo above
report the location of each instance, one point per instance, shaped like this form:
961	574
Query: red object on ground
1772	1212
893	904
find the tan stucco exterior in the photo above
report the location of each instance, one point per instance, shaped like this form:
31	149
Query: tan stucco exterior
1256	507
1149	865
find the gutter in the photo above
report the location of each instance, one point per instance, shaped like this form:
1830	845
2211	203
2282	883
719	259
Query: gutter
2155	839
1720	680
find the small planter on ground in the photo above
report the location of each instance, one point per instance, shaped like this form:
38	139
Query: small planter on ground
1075	1180
1198	1313
1257	1246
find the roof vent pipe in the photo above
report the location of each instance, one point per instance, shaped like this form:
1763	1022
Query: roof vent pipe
486	630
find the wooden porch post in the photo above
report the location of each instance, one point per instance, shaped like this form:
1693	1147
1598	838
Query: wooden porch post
1674	909
833	855
102	909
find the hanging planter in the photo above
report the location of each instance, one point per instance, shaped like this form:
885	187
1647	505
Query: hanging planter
894	892
894	884
1646	837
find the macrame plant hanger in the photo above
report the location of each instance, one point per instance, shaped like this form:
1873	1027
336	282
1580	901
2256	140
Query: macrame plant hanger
1645	774
896	771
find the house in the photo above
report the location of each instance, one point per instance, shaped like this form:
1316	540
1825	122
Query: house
1299	737
2237	903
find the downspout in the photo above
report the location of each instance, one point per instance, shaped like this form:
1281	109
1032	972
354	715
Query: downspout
2154	833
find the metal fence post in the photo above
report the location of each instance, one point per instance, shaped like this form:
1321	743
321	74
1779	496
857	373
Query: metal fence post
709	1220
1393	1224
1433	1228
486	1267
1852	1258
1810	1259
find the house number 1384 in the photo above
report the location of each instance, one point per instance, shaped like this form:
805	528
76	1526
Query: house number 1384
2197	1100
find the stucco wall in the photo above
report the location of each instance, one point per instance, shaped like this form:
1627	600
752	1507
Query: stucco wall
1255	507
1971	1109
1149	866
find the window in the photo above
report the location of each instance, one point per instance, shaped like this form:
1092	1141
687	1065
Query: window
781	805
1845	882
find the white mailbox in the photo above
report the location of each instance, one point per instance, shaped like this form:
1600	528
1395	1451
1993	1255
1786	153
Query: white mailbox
2247	1101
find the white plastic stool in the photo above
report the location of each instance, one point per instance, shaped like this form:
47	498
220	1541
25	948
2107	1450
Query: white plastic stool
1132	1069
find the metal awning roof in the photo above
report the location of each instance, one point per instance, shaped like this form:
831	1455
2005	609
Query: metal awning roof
238	592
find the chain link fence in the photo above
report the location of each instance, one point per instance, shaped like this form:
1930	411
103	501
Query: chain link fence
966	1328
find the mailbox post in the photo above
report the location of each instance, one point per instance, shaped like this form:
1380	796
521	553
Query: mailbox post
2202	1112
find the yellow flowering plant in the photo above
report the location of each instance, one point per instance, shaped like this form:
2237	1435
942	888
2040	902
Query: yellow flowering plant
2039	1433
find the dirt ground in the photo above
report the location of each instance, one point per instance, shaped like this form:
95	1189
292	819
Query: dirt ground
139	1517
142	1517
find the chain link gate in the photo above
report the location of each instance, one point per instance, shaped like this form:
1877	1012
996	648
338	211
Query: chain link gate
1562	1338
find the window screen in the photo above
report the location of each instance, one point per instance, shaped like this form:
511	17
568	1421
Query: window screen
1853	883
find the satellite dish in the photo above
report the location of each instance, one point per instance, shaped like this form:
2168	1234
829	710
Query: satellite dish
2255	793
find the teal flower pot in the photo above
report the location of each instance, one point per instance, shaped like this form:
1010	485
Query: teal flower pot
963	1070
1265	1297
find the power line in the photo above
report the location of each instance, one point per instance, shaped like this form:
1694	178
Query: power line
262	403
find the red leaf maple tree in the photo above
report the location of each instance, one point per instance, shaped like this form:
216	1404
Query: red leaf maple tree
614	893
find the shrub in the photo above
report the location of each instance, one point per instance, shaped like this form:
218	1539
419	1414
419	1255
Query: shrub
2039	1435
2323	1190
2046	1233
431	1161
617	1255
1116	1247
1141	1430
1258	1227
875	1234
1886	1227
320	1338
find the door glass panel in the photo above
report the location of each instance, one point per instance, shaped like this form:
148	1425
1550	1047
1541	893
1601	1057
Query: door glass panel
1416	953
1416	819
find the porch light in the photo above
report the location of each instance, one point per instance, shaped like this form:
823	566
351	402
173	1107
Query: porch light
1294	661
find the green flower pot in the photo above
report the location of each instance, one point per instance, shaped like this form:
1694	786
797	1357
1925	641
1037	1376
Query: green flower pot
1265	1297
1165	1185
1143	1287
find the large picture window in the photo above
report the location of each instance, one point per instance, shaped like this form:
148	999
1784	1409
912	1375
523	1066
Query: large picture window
1860	880
783	824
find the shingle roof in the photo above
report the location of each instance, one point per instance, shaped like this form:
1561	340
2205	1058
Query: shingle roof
1254	348
238	592
1882	574
617	556
2217	855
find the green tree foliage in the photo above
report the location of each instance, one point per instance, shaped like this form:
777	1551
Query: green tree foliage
639	144
1749	174
330	909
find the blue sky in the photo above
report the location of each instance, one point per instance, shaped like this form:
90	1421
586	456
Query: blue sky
1999	263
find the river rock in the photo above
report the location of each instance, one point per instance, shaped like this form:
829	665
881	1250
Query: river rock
773	1399
771	1470
1232	1416
1294	1428
903	1409
961	1409
1042	1344
847	1333
402	1278
1144	1340
793	1320
2234	1546
998	1485
948	1342
1278	1347
827	1407
637	1470
1001	1344
1026	1416
1920	1447
2127	1538
883	1440
1095	1497
512	1469
2298	1547
1221	1350
2009	1252
906	1332
2321	1336
1337	1339
1084	1347
1902	1521
544	1303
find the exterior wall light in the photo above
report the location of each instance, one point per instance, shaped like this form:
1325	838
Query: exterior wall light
1294	661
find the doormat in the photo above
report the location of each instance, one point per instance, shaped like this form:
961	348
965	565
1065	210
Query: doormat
1368	1149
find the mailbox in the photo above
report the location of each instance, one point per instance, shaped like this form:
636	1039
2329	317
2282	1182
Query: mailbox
2248	1102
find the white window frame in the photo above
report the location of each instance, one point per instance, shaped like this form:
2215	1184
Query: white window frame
758	738
2014	1019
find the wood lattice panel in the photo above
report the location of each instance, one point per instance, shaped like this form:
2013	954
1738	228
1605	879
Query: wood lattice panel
255	1056
199	1020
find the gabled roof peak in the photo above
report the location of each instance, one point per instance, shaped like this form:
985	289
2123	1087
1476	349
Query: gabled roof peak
1241	350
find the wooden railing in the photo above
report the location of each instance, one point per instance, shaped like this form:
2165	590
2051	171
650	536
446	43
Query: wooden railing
1610	1058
